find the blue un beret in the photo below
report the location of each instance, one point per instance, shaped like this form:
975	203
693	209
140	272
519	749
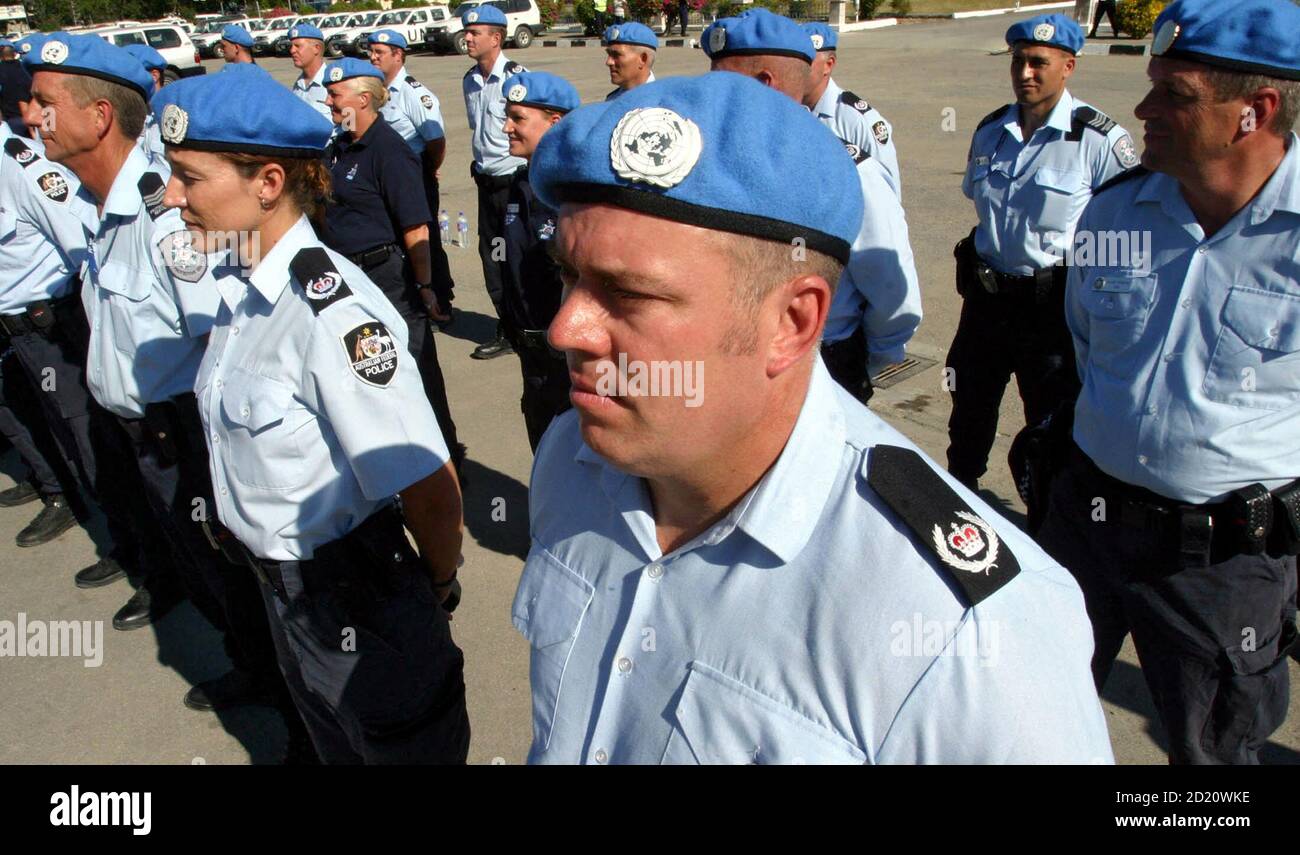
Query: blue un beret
543	90
93	57
1250	36
305	31
29	47
754	32
392	38
484	14
348	68
236	34
1054	30
149	58
244	110
823	37
630	33
719	151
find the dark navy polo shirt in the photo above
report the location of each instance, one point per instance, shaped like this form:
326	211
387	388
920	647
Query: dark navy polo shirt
378	190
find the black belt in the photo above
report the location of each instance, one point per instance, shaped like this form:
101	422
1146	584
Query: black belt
38	316
372	258
1038	283
490	182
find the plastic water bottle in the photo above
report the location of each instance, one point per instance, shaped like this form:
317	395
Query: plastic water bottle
444	227
462	231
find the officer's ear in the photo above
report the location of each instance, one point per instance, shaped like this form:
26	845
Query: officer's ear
1068	68
269	184
830	62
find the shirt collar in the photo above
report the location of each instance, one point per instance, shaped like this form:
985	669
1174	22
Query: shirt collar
783	508
1280	193
826	103
124	196
272	276
317	79
499	67
1062	116
397	78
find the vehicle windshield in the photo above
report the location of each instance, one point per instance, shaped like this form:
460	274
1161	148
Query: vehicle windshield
367	19
334	21
256	26
282	23
392	18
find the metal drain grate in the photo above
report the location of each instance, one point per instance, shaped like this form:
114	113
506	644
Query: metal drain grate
899	372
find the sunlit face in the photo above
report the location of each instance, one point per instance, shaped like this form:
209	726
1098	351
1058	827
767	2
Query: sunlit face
1183	121
157	78
525	126
214	199
482	39
346	102
66	128
229	50
628	65
387	59
629	291
1039	72
305	53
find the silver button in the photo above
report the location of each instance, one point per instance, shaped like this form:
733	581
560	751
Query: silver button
1201	250
1142	458
244	411
216	440
1276	331
601	756
225	492
654	571
1101	281
234	330
624	665
1187	304
1169	357
1151	411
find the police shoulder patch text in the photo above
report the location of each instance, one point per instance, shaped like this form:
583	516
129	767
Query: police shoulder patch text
318	277
152	188
53	185
371	353
941	521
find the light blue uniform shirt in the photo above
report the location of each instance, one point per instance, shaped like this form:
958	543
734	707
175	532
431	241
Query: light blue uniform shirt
302	449
314	92
794	629
42	236
147	322
1029	195
151	142
486	109
856	122
879	289
1191	368
413	111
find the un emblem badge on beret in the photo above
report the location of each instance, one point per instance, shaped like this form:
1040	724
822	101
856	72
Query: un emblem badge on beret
817	41
472	17
1044	32
717	39
293	34
517	93
1165	38
613	34
336	74
655	146
174	123
382	38
54	52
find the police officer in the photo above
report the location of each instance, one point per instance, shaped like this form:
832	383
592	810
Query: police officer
307	52
630	51
849	116
316	419
1032	167
485	33
877	306
536	100
149	299
15	88
235	46
772	544
156	65
377	223
23	425
1179	510
414	113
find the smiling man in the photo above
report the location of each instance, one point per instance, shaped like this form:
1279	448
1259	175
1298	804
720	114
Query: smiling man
630	51
1179	509
747	580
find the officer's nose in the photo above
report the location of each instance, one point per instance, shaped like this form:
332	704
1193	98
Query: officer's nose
174	195
577	326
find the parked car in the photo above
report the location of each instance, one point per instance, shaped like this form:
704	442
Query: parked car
207	42
168	39
523	23
411	23
341	40
282	41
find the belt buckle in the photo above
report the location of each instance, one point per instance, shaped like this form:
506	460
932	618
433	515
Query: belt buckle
987	277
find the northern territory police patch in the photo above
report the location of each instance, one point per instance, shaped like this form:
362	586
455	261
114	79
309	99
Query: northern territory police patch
1125	153
180	257
372	353
54	186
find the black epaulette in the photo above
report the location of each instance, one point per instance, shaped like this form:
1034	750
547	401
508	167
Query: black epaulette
1087	117
857	152
472	68
994	116
415	84
152	189
314	272
21	152
1126	175
513	67
859	104
976	558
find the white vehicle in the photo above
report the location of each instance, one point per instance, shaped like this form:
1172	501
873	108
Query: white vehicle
358	26
168	39
207	41
411	23
523	22
280	44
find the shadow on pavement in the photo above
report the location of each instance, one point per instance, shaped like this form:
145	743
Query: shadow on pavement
496	510
471	326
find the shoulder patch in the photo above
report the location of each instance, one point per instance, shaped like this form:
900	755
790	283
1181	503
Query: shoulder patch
426	101
371	352
859	104
53	185
413	83
513	67
962	541
1087	117
152	188
20	151
320	282
857	152
994	116
180	257
1127	175
1125	153
880	130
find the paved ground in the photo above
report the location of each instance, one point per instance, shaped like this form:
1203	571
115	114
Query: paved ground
933	80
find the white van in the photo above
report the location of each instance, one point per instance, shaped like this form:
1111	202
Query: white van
168	39
411	23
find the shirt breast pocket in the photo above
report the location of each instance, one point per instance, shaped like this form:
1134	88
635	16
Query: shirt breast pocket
129	315
548	611
719	720
1255	362
1060	200
1118	301
262	424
